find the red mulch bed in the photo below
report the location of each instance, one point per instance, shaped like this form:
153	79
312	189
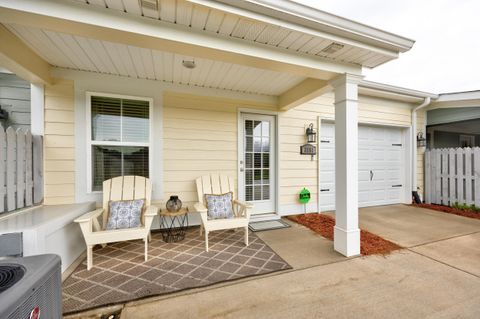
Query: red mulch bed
451	210
370	244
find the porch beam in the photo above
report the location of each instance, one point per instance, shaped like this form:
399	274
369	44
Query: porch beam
109	25
302	93
346	231
21	60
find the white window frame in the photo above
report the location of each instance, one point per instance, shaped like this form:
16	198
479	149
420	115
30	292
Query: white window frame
89	143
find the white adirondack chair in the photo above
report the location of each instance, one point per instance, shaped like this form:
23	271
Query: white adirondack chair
220	184
118	188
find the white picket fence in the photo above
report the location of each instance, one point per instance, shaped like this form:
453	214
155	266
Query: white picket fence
452	175
21	169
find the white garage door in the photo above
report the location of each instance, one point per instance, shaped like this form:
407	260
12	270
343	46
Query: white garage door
381	166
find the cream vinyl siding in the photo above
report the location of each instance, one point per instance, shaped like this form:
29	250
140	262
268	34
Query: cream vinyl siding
200	137
59	143
297	171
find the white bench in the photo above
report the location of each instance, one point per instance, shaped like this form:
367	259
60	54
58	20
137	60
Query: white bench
49	229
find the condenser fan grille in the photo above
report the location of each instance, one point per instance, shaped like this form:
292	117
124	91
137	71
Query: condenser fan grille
9	275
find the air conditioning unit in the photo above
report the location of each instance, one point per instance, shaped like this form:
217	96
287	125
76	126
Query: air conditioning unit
30	287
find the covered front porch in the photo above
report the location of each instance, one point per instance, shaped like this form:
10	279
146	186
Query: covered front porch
439	246
201	66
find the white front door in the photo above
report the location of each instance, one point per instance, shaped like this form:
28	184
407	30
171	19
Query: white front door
381	166
257	162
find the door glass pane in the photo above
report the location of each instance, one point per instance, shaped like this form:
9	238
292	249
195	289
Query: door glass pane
257	144
258	160
257	193
266	144
248	128
257	130
249	193
249	144
248	160
266	192
265	129
257	176
249	177
266	176
266	160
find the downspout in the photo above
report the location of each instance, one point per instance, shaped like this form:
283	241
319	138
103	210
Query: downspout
414	146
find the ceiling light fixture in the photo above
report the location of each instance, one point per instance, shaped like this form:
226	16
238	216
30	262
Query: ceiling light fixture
189	64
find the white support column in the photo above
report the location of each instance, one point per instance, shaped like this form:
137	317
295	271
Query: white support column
346	231
37	108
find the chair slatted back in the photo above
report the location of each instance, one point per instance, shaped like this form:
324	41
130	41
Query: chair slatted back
214	184
125	188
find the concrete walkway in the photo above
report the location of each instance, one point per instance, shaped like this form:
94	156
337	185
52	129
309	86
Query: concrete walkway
437	276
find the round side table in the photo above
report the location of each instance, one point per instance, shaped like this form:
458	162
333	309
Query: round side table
173	225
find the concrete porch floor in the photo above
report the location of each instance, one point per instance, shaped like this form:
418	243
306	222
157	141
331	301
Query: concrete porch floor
437	275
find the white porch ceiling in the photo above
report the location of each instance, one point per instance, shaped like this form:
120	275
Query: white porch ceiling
79	53
227	24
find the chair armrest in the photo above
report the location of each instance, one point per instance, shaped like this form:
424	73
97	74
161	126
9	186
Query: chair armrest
244	204
151	211
199	207
244	209
89	216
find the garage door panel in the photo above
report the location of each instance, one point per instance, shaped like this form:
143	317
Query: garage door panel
381	151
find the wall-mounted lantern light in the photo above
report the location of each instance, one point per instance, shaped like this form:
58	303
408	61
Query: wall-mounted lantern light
311	134
308	148
421	141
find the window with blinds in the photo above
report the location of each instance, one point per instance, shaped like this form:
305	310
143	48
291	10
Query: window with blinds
119	138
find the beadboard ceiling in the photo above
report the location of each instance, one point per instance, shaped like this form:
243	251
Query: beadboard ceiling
211	20
79	53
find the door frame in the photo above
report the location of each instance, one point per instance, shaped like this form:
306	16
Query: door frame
407	136
275	115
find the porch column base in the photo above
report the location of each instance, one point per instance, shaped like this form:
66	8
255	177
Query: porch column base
346	242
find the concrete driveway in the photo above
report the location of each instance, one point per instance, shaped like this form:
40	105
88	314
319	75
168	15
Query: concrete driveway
411	226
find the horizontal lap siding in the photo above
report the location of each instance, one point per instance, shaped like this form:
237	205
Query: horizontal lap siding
15	99
59	143
200	137
297	171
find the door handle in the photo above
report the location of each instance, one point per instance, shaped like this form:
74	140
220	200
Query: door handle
371	175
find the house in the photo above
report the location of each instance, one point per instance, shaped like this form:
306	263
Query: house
174	90
453	120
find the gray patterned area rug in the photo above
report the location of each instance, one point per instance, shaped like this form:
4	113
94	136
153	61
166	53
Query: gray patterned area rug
120	274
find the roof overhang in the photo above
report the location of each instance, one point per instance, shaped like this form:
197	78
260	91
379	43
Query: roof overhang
382	90
457	99
296	13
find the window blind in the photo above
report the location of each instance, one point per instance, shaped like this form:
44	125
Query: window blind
126	122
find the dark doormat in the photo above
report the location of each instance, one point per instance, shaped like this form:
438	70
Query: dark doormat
267	225
120	274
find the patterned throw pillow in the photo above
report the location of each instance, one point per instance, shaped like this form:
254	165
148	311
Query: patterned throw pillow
125	214
219	206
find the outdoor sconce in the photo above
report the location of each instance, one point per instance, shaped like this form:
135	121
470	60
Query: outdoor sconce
311	134
309	149
421	141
